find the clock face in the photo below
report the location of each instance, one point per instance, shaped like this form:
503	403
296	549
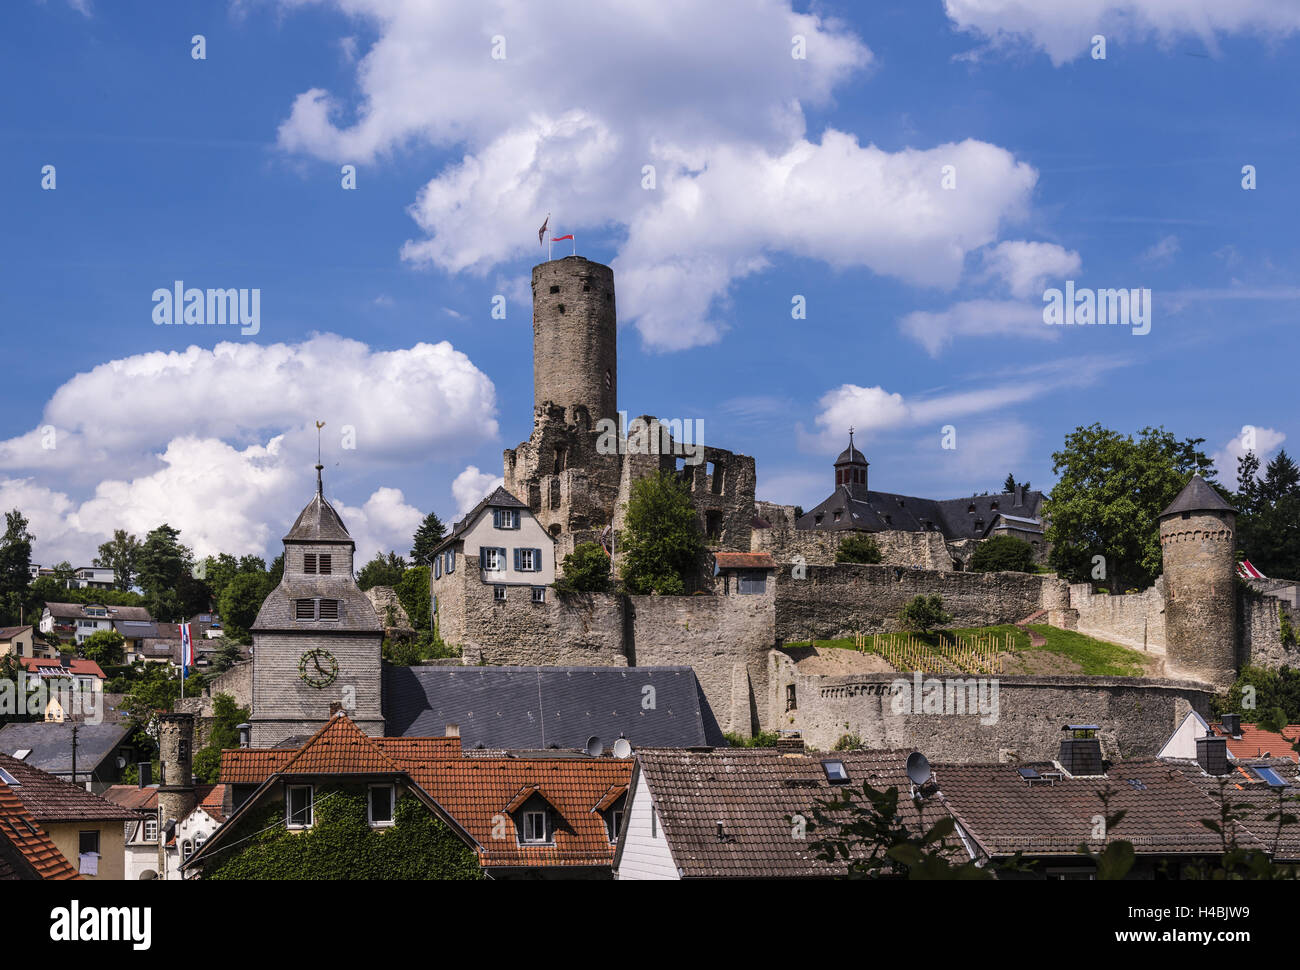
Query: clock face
318	668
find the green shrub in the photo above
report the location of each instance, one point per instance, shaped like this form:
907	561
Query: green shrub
586	570
923	613
858	548
1003	554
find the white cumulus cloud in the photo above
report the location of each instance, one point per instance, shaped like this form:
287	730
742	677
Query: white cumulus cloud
471	485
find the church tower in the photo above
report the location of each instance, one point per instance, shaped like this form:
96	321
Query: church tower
316	639
1197	542
851	470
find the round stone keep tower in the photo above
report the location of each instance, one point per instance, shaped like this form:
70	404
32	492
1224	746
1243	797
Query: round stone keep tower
1197	542
575	338
176	795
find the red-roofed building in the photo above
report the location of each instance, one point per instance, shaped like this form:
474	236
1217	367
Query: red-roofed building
213	808
554	813
1244	740
26	851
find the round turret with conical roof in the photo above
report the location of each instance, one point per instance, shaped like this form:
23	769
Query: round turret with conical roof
1198	544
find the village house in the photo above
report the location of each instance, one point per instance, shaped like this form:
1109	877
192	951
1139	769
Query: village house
531	815
1243	740
26	850
83	826
212	808
76	621
96	762
21	641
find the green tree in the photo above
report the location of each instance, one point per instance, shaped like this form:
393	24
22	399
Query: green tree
382	571
241	601
1109	498
415	594
156	689
1268	519
15	566
218	571
228	654
586	570
120	554
1003	554
1010	485
275	571
857	547
662	546
105	647
427	537
922	614
171	592
226	718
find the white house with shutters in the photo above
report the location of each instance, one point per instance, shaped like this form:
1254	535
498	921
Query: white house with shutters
498	547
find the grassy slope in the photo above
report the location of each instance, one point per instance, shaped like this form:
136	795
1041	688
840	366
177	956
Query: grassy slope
1095	657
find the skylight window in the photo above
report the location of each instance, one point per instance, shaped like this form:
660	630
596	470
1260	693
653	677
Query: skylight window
835	772
1269	775
22	753
8	779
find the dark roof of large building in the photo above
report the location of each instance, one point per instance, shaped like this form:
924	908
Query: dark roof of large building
51	799
536	708
1197	495
50	744
753	792
1005	813
958	518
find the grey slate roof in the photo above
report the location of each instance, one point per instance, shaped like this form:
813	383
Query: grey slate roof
887	511
1197	495
51	744
318	522
499	498
78	610
356	614
535	708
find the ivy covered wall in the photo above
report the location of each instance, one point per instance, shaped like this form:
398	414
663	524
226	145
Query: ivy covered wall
341	844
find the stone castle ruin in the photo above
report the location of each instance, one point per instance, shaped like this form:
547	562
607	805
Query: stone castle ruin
775	581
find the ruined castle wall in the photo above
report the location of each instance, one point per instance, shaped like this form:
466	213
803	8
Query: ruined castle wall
585	629
926	550
1136	715
237	682
725	638
1261	632
838	601
1134	620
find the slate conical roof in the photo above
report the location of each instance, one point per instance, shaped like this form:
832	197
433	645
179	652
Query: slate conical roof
851	455
1197	495
318	522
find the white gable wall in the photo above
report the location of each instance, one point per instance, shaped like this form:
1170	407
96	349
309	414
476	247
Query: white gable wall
529	535
644	856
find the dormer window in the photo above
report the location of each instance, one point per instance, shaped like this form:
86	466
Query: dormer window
971	509
505	518
535	830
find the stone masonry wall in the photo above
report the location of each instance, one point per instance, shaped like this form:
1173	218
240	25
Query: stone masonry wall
1136	715
237	682
926	550
725	638
584	630
1135	620
1261	631
838	601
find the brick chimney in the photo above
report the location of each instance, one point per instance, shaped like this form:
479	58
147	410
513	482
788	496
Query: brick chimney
1212	755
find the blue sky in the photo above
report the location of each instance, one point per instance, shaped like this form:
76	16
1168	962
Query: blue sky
776	176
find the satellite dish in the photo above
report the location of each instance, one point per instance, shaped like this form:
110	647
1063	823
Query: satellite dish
594	747
622	748
918	768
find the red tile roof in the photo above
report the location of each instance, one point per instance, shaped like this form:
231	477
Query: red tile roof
52	799
211	798
1257	743
743	560
77	666
473	791
19	829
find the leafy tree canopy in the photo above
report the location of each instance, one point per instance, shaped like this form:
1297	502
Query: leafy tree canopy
105	647
120	554
586	570
662	547
858	548
382	571
1268	514
1108	500
1003	554
241	601
924	613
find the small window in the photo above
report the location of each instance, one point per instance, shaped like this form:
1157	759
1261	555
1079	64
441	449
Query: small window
791	702
8	779
437	568
752	581
329	609
297	803
323	563
526	560
499	593
304	609
534	826
187	850
654	823
539	594
492	559
382	798
505	518
835	772
451	560
151	830
555	289
713	524
88	842
615	824
309	562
